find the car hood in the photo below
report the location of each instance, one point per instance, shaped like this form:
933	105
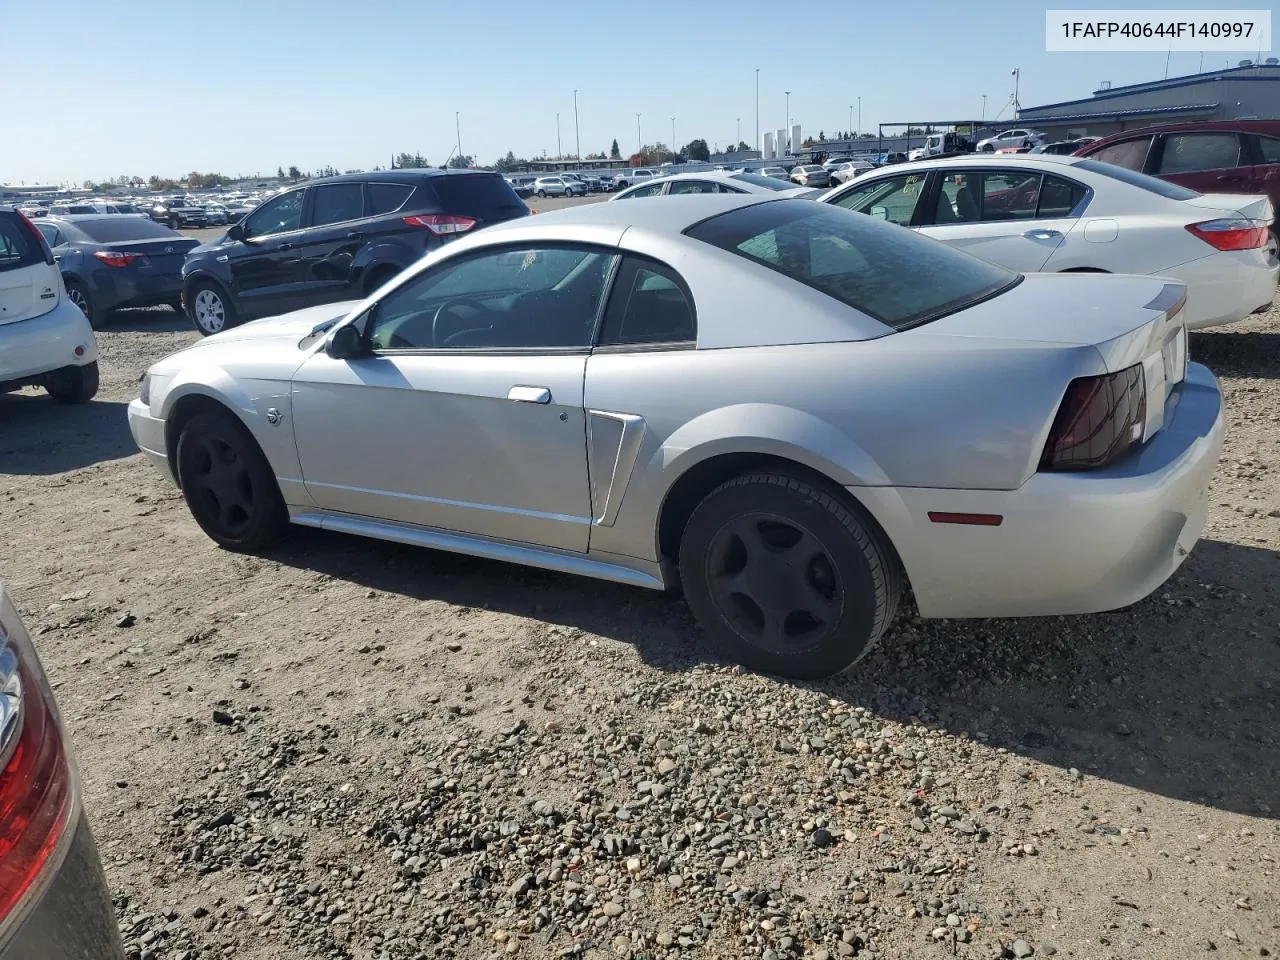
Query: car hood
288	326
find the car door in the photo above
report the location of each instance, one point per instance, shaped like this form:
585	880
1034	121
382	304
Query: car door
466	413
1209	161
995	214
327	247
1266	166
265	265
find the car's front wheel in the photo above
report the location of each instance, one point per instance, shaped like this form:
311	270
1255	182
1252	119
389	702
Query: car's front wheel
210	308
228	483
786	576
73	384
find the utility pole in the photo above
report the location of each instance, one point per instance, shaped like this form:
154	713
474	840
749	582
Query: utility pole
758	147
1017	77
577	140
559	153
639	143
457	125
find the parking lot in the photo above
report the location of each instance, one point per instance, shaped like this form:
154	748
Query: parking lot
352	749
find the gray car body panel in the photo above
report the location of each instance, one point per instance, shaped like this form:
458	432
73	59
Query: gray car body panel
960	407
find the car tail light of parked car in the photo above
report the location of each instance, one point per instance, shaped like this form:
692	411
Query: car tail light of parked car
113	258
441	224
1230	233
35	779
1099	419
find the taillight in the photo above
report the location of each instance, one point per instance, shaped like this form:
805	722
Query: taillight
45	251
1099	419
441	224
35	771
113	258
1232	233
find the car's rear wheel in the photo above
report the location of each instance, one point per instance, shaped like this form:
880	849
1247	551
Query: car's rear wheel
542	194
228	484
786	576
73	384
210	308
79	294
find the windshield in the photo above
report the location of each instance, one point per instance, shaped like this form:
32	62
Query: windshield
1153	184
769	183
894	275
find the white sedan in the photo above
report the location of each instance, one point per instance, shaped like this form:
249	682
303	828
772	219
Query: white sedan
1053	214
713	181
1020	137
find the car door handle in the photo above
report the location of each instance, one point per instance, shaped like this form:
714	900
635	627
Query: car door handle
285	246
1042	234
355	235
529	394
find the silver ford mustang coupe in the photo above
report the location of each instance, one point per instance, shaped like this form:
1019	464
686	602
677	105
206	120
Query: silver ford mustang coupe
793	411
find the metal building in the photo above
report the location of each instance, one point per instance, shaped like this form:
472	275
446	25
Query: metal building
1247	91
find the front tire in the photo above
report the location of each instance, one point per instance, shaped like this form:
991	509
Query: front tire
228	485
787	577
542	194
71	385
210	308
174	223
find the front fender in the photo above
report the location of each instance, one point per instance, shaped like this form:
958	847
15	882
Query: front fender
249	400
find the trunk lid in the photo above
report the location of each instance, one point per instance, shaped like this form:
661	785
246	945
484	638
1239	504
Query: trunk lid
162	256
1128	320
1252	206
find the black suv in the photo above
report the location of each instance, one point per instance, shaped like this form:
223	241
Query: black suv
338	238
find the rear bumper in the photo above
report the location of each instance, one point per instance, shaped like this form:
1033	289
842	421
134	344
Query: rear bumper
30	348
72	918
1228	286
1069	543
148	434
126	288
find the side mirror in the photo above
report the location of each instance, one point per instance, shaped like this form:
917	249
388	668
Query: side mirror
880	213
346	343
236	232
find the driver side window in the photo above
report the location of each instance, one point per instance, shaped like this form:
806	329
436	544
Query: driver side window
280	215
513	298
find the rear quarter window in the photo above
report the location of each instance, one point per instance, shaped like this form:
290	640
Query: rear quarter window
18	246
889	273
386	197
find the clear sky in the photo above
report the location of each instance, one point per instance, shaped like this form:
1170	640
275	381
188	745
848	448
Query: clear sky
238	87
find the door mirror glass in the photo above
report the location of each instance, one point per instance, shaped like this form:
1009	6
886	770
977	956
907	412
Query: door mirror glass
236	232
346	343
880	213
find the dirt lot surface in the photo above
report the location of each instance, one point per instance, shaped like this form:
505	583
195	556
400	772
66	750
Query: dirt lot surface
357	750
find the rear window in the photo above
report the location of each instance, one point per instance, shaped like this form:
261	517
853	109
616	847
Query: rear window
485	196
769	183
18	245
1152	184
113	229
894	275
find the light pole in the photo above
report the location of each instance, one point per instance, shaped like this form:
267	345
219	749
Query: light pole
639	144
984	109
1017	76
577	140
559	154
859	130
673	134
739	140
457	126
786	122
758	108
851	130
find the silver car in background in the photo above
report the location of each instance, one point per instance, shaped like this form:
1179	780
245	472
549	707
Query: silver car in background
791	410
558	187
54	903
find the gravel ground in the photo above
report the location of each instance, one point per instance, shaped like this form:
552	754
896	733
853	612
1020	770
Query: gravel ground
350	749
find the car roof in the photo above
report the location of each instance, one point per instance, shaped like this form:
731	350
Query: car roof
1240	126
398	174
950	161
660	214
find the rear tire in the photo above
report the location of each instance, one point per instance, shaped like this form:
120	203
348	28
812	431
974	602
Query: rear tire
542	194
228	484
210	309
78	294
786	576
71	385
